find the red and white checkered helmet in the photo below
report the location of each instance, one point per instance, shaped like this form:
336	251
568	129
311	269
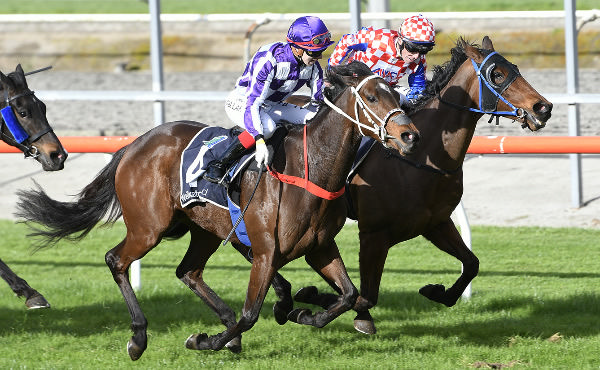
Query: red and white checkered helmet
418	30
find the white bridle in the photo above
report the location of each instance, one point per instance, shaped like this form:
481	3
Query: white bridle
379	129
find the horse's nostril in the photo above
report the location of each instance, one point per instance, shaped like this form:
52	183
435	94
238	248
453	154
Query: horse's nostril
542	108
58	157
409	137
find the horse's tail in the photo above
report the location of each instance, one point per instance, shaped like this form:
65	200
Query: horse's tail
71	220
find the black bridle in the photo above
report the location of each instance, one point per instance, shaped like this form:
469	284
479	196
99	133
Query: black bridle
26	145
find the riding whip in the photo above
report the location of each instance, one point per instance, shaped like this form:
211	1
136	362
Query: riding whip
38	70
241	217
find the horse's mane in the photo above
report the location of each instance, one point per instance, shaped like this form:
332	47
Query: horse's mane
442	74
338	76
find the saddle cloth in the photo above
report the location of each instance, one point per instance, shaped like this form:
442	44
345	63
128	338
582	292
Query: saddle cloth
209	144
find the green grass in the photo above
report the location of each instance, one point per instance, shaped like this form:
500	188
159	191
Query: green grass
261	6
533	283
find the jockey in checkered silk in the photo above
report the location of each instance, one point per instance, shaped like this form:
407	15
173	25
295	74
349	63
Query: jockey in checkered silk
274	73
391	54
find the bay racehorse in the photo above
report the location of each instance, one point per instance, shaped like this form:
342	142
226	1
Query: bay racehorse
24	125
284	221
398	198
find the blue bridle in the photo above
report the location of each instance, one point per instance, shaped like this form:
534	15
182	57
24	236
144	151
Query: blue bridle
489	92
20	138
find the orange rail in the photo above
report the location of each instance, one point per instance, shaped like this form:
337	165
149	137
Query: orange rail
84	144
534	144
479	144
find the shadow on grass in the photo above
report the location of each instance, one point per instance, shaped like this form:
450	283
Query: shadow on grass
571	316
515	317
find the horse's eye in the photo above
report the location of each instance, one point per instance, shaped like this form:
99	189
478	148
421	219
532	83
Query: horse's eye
371	98
497	77
23	113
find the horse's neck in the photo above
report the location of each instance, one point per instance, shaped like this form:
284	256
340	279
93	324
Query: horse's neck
447	131
332	145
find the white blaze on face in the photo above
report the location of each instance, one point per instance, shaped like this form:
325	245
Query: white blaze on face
385	87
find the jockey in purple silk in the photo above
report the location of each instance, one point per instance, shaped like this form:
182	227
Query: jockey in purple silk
391	54
273	74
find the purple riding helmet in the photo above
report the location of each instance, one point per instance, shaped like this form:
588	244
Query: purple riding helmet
309	33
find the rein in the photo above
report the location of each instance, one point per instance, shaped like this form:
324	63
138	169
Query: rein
376	128
368	112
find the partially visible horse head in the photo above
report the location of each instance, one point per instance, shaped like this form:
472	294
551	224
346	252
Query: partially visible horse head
24	124
503	90
376	108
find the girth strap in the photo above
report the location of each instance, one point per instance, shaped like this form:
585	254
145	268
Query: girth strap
304	183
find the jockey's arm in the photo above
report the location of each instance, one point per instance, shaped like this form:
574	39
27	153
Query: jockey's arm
316	83
417	81
344	48
258	91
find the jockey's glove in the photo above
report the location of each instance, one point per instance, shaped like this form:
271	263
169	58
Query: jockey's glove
262	154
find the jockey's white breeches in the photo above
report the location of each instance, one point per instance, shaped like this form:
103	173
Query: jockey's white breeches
271	113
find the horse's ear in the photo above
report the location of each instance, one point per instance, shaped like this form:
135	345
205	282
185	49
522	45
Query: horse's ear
487	43
5	80
471	51
19	69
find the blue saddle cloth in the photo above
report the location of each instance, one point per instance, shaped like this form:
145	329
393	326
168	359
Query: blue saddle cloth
209	144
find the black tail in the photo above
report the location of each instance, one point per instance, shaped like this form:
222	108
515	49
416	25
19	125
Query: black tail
71	220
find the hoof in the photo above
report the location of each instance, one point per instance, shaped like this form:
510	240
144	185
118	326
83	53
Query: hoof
235	345
134	351
304	294
436	293
365	326
281	311
37	301
197	341
298	315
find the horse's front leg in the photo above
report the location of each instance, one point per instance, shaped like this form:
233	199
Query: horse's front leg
446	237
282	287
260	277
326	260
33	299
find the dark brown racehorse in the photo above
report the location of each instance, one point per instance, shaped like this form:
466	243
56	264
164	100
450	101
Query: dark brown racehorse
417	194
41	143
284	222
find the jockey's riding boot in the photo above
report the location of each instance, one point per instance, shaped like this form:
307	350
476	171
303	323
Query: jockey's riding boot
216	169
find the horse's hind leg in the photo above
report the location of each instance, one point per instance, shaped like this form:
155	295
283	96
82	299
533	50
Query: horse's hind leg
190	271
447	238
134	246
327	261
282	287
33	299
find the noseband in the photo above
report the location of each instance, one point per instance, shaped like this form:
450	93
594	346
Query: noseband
20	138
379	129
489	92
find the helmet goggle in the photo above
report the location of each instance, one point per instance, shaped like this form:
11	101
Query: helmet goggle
313	54
412	47
317	40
